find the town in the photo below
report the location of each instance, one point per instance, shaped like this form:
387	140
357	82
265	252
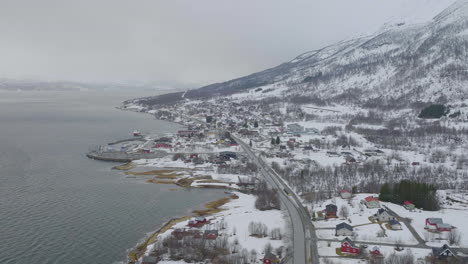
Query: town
334	161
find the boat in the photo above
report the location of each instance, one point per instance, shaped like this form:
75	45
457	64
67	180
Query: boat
136	133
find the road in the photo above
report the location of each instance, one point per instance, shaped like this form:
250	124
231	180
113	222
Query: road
304	237
408	225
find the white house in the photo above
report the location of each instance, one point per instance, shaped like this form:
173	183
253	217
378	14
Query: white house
343	229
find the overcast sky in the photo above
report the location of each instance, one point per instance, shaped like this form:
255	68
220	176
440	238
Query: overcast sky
192	41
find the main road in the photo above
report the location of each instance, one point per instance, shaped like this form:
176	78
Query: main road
304	237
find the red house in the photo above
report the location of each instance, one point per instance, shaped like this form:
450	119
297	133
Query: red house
270	258
210	234
162	145
376	251
193	156
330	211
348	246
197	222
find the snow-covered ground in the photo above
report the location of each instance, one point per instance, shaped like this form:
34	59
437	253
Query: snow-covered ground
238	214
359	218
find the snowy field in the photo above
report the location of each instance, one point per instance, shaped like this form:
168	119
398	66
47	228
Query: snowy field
359	218
238	214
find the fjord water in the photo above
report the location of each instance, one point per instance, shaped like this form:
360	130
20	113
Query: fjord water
57	206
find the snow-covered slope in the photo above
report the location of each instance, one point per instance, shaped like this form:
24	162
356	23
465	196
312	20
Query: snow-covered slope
427	62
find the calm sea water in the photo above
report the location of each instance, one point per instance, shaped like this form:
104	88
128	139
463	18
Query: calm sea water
57	206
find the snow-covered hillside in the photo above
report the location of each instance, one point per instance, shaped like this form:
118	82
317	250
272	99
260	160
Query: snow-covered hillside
402	62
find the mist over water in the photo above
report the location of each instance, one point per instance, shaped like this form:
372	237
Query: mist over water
56	205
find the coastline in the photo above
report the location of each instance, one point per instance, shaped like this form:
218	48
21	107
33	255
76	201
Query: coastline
233	210
212	208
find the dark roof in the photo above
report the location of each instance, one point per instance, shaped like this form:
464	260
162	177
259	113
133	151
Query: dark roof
331	207
344	225
393	222
381	211
270	256
442	250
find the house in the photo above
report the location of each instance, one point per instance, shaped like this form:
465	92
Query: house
409	205
197	222
432	222
178	233
371	202
444	227
295	129
438	224
330	211
383	215
443	252
343	229
394	225
149	260
162	145
348	246
270	258
210	234
375	251
345	194
350	160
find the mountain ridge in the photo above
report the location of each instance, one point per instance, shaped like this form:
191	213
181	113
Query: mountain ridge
417	62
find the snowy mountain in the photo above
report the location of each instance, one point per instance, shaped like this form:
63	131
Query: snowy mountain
403	63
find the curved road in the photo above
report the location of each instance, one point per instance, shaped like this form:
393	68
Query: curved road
304	237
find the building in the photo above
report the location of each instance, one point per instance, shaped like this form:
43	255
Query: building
438	224
162	145
383	215
444	227
432	222
371	202
442	253
197	222
295	128
210	234
394	225
348	246
375	251
343	229
409	205
270	258
330	211
345	194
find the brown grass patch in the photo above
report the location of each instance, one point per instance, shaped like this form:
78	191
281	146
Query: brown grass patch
139	250
151	172
159	181
187	182
213	207
126	166
168	176
210	181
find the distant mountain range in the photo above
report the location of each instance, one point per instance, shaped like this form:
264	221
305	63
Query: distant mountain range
403	63
10	84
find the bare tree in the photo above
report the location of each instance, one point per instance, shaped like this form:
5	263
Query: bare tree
344	211
454	237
